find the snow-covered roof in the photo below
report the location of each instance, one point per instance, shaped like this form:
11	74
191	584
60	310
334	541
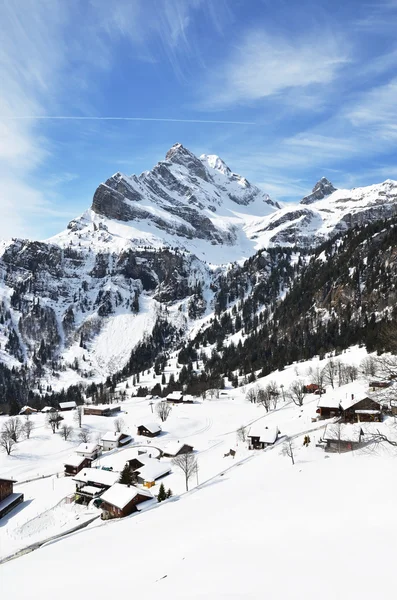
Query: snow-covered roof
99	476
174	396
345	432
112	436
172	448
90	489
25	408
120	495
87	448
67	404
152	427
118	459
47	409
74	460
267	435
153	469
351	400
328	402
367	412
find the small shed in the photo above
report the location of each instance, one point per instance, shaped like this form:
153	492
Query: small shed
8	498
114	439
74	464
122	500
67	405
176	448
89	450
149	429
260	436
342	437
48	409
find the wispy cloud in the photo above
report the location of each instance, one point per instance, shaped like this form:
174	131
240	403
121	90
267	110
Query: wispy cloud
91	118
264	65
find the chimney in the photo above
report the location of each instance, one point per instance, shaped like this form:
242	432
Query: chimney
352	396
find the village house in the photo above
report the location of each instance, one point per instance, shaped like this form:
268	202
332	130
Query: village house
107	410
89	450
260	436
379	385
48	409
122	500
176	448
91	483
74	464
328	407
27	410
8	498
175	397
149	429
67	405
114	439
342	437
151	471
360	408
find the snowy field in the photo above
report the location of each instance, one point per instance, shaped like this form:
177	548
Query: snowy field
245	489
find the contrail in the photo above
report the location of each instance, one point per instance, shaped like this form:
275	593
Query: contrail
65	118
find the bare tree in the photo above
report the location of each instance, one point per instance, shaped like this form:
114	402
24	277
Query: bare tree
118	424
351	373
78	415
84	435
163	410
264	398
252	395
6	441
296	392
330	372
66	431
13	427
288	450
318	377
369	366
242	433
188	465
27	427
387	366
53	419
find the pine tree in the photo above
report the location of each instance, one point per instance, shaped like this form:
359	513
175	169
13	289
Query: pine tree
126	475
169	493
162	495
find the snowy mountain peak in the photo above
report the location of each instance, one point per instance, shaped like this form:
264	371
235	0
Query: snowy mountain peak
213	161
322	188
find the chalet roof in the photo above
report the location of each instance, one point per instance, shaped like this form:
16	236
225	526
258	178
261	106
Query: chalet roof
112	436
154	469
25	408
343	432
98	476
328	402
175	396
87	448
172	448
103	406
352	400
71	404
267	435
91	490
48	409
152	427
7	479
119	495
74	460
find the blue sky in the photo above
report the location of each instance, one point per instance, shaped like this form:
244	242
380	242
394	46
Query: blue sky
315	83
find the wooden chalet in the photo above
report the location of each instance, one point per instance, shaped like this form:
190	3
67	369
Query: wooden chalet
176	448
89	450
92	483
74	464
360	409
175	398
342	437
114	439
109	410
28	410
328	407
8	498
149	429
260	436
122	500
